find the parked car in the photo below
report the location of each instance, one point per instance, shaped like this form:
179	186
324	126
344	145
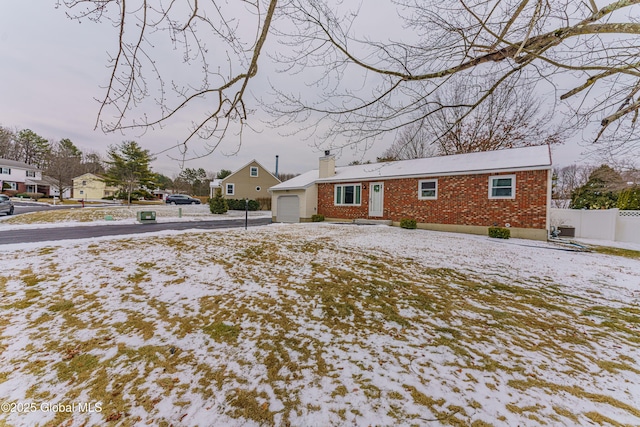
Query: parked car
5	205
182	199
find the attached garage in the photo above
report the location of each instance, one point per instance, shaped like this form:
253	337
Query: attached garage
288	209
295	200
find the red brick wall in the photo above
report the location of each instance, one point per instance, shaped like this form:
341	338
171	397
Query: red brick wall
462	200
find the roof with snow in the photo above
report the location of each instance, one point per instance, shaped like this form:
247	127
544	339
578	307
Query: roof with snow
511	159
17	164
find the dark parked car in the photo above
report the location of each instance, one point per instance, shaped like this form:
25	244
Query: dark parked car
182	199
5	205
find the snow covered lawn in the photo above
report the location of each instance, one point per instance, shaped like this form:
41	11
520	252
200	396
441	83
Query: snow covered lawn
117	214
317	324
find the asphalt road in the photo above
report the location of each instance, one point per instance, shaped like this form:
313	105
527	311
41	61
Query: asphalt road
84	232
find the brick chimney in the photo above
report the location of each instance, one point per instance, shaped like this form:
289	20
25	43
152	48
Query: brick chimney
327	165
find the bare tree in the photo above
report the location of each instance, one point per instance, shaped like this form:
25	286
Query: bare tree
204	31
93	163
567	43
371	82
8	148
63	164
510	117
413	142
566	180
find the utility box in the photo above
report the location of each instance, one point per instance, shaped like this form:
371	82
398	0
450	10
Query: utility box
567	231
146	217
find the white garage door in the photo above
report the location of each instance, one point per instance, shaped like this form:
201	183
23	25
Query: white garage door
288	209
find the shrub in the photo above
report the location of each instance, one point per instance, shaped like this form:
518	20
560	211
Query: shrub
218	205
317	218
408	223
10	193
240	204
499	232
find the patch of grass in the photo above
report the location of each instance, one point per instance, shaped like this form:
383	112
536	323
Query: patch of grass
600	419
61	306
615	367
80	368
520	410
575	391
30	278
137	277
222	332
565	413
607	250
31	296
339	391
395	395
250	404
136	322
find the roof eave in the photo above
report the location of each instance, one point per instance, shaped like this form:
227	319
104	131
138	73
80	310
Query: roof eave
336	178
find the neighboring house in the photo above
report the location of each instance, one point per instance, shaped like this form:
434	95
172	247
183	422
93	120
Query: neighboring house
54	190
161	194
251	181
22	177
462	193
92	187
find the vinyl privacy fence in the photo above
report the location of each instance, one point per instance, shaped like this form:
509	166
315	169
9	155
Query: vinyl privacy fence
606	224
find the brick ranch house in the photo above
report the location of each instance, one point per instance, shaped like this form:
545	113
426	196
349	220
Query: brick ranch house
461	193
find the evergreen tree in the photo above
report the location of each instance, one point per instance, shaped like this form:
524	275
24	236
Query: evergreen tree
600	191
33	149
196	178
223	174
218	205
629	199
163	181
129	168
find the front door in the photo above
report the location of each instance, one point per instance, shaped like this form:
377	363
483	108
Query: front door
376	198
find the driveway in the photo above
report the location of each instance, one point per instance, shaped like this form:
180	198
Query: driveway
85	232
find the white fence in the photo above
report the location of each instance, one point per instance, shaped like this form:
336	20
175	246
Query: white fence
609	224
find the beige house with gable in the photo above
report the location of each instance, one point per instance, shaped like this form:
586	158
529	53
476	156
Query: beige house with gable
91	187
249	182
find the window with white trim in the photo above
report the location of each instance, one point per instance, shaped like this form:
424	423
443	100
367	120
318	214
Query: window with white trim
253	171
6	171
348	195
428	189
230	189
31	174
502	187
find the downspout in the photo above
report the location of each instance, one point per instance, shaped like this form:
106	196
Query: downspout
549	191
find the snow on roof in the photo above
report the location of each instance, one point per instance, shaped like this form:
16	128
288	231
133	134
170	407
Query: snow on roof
299	182
537	157
17	164
216	183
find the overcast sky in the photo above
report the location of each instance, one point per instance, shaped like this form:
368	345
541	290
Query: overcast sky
53	70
